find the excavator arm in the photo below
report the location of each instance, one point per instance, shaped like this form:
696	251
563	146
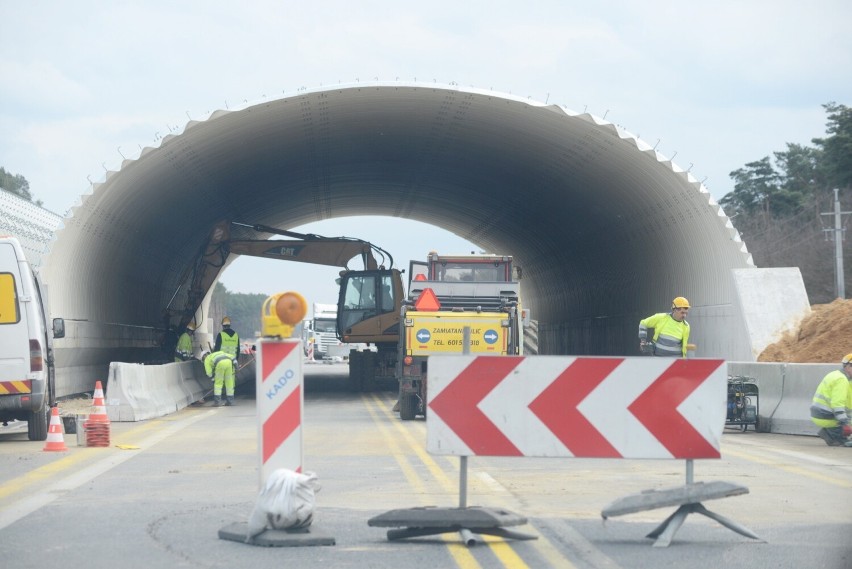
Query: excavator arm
332	251
304	248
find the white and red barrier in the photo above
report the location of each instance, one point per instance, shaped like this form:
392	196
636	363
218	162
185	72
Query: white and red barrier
280	399
585	407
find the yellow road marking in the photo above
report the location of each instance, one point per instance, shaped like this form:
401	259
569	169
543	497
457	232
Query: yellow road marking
462	556
57	467
42	473
15	510
500	547
835	481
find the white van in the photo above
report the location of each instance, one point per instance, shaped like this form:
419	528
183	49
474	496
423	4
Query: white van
27	374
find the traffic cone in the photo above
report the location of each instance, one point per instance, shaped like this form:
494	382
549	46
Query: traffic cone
98	414
55	440
97	427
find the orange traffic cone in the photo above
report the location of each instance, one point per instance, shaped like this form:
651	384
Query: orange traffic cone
55	440
98	414
97	427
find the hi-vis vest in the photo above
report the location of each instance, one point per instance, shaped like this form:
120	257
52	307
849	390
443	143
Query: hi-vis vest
832	399
183	350
666	332
230	343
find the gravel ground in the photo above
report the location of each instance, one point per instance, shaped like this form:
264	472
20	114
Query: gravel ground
75	405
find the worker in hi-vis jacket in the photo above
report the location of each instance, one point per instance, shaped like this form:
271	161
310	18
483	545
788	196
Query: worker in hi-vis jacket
671	331
831	404
220	367
183	350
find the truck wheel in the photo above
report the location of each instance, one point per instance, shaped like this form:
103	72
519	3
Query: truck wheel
37	424
356	372
368	373
407	407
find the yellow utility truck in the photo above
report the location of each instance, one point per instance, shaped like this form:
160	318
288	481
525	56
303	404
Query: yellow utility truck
448	295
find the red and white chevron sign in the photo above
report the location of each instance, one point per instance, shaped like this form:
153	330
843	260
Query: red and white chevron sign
584	407
280	399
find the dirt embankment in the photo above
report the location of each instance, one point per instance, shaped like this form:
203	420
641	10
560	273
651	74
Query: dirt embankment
825	336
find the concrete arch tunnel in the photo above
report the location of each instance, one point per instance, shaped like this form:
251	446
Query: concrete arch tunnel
606	229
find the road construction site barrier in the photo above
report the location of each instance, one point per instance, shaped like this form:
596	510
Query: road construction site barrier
280	399
786	392
136	392
555	406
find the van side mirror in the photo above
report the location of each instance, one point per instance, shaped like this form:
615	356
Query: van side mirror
58	327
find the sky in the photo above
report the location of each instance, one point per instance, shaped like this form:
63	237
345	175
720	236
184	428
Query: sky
714	85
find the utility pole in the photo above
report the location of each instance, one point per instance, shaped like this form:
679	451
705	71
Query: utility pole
838	244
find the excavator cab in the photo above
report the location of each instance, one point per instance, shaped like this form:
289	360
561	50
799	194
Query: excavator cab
368	307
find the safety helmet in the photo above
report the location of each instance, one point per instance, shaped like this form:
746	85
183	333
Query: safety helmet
226	321
191	326
847	359
680	302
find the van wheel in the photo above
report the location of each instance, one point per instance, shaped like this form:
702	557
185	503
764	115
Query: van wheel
37	424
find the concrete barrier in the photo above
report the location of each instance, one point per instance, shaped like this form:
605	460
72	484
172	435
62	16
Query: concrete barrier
785	392
136	392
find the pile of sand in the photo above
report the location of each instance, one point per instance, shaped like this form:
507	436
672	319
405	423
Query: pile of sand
824	336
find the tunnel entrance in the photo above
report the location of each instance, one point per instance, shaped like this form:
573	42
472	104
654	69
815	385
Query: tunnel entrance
607	229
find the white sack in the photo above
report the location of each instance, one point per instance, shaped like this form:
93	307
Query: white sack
286	501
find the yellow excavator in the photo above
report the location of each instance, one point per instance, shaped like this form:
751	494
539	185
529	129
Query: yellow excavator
369	302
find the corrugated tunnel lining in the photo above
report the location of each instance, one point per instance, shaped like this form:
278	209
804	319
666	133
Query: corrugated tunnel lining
606	229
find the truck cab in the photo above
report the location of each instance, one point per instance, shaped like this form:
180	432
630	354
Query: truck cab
448	296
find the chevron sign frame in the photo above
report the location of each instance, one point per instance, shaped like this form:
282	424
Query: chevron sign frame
581	407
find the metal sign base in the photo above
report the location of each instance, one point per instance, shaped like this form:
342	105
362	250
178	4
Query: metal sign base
417	522
688	498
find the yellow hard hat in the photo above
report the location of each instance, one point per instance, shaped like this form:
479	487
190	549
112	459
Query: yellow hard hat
847	359
191	326
226	321
680	302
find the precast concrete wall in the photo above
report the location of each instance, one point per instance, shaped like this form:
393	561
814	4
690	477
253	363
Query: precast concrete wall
772	302
136	392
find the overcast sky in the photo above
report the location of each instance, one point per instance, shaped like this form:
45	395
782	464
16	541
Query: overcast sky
714	84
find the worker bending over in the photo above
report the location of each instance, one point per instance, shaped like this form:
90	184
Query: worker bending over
220	367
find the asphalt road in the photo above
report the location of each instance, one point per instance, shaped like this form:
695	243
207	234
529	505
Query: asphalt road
161	493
